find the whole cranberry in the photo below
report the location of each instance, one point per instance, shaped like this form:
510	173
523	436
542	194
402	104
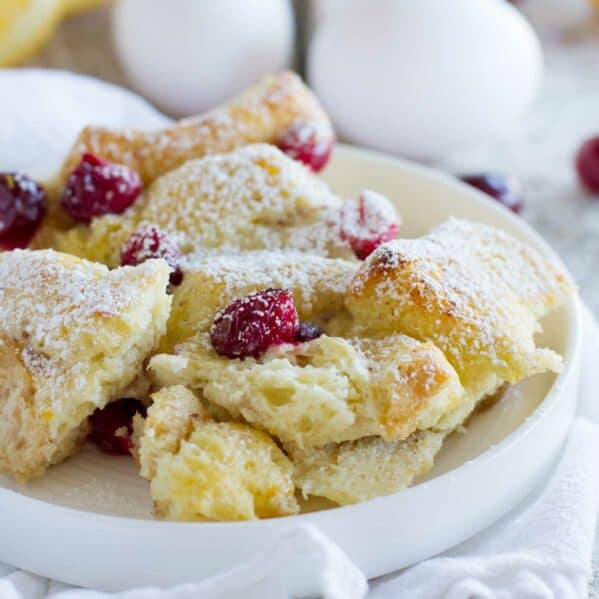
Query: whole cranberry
587	164
97	187
150	242
22	207
307	332
506	190
369	223
249	325
112	426
307	142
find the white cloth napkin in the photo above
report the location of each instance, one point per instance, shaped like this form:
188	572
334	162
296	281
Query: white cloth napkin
540	550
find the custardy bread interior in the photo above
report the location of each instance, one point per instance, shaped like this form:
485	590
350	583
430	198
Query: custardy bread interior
73	336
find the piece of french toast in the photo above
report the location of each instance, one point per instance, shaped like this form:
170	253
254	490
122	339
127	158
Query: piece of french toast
263	113
323	391
253	198
201	469
73	336
474	291
210	283
364	469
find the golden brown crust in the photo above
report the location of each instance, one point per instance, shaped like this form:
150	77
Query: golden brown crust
261	114
253	198
472	290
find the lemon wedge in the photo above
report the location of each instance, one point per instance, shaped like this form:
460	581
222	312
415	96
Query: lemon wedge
74	7
25	25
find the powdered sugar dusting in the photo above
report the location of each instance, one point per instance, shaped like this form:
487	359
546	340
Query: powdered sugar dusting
369	222
49	300
308	275
478	292
262	114
253	198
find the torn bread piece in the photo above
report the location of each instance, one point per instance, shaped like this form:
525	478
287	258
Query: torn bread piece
474	291
252	198
73	336
318	284
170	419
201	469
364	469
261	114
325	390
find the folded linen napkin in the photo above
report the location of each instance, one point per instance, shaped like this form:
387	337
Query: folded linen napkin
540	550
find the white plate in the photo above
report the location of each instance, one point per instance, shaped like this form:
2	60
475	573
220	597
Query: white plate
88	521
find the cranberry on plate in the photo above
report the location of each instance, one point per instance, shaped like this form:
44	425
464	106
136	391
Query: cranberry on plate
22	207
249	325
150	242
506	190
306	142
112	426
97	187
587	164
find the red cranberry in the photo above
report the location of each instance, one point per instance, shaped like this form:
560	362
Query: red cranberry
112	426
151	242
506	190
98	187
369	223
308	143
587	164
249	325
307	332
22	207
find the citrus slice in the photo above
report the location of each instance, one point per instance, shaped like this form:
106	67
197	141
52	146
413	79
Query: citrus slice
74	7
24	26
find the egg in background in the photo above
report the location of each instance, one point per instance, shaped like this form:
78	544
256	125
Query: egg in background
189	55
422	78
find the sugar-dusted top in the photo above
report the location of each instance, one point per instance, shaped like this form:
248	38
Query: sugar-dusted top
466	263
48	298
308	275
255	197
263	113
473	290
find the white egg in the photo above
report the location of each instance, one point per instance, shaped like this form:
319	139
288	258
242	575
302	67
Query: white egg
189	55
422	78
